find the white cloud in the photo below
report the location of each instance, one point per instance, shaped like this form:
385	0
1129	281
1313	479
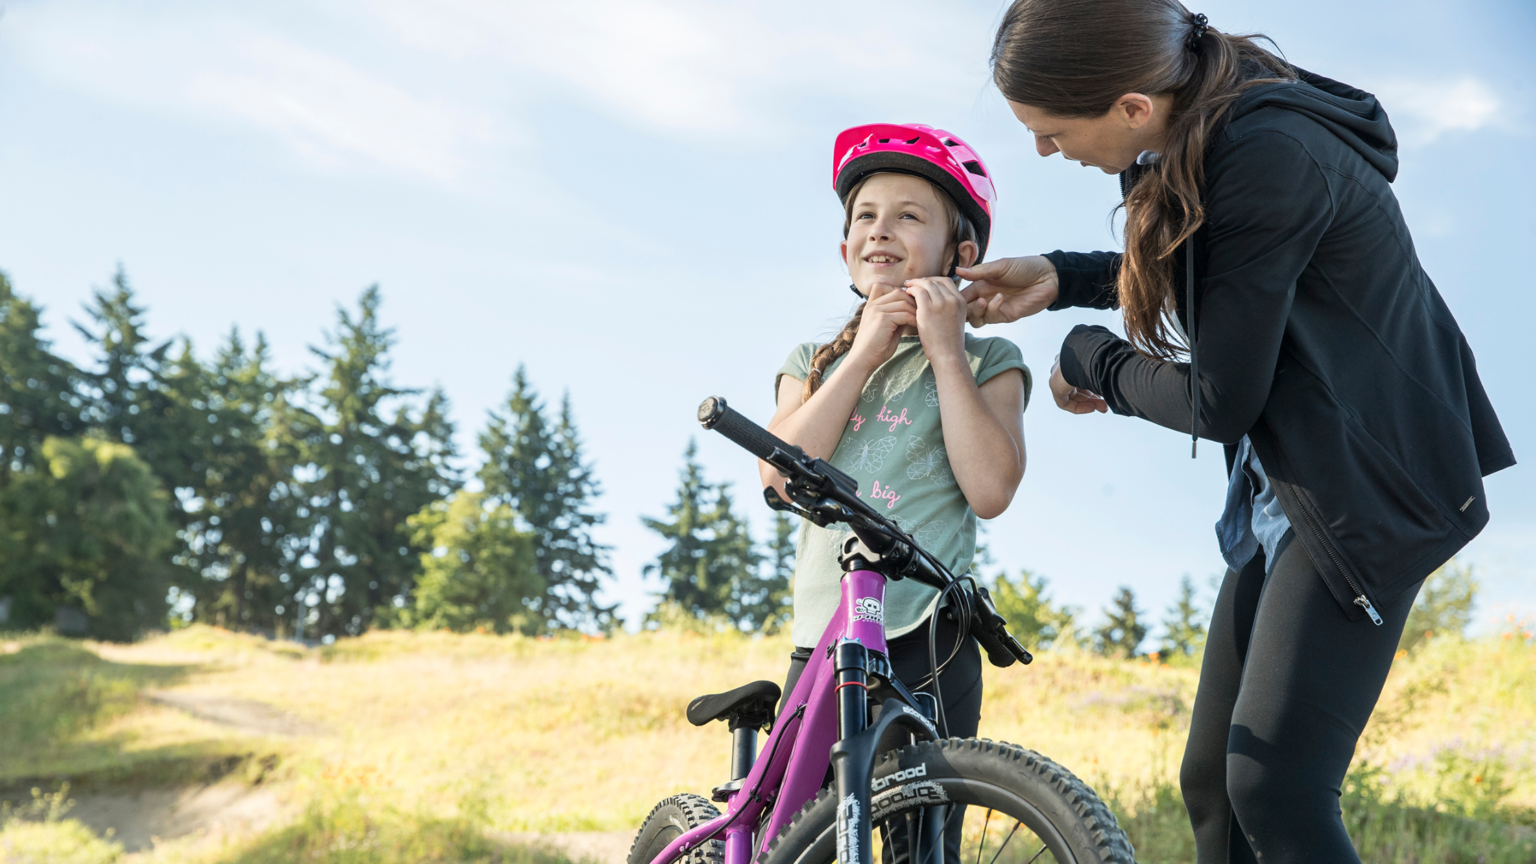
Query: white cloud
1434	108
438	91
333	113
683	66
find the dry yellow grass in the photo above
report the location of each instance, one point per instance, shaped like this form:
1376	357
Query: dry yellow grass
582	734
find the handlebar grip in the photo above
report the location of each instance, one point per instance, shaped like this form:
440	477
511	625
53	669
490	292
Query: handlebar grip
997	653
715	414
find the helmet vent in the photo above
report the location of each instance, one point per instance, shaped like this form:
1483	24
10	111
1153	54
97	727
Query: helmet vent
950	142
975	167
913	140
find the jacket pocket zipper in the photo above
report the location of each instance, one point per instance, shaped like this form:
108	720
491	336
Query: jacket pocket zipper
1361	600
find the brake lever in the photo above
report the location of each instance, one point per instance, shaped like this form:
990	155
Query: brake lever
775	501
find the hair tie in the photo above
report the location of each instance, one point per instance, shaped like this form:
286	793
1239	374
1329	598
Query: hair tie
1201	24
817	372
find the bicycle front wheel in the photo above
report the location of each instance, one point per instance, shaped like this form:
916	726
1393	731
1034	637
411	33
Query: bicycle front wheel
1006	805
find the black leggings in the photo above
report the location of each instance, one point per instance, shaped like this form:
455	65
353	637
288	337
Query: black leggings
1287	685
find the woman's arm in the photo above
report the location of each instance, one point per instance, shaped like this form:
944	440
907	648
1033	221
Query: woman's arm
1012	288
816	425
1269	206
983	426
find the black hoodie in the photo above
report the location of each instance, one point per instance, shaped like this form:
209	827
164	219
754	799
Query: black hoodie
1320	337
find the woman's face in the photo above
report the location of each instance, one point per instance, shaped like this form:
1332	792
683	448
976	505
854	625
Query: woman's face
1110	143
898	230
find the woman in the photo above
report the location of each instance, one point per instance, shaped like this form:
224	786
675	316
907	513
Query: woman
1265	248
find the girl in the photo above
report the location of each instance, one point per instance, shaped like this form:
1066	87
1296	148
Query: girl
927	418
1264	246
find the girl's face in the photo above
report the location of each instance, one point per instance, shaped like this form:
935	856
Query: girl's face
899	230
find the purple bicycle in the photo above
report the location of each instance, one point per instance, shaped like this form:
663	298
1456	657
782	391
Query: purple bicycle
900	792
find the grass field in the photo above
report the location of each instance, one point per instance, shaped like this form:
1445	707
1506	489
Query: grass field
435	747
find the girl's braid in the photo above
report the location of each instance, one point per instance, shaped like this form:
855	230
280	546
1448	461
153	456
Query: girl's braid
830	352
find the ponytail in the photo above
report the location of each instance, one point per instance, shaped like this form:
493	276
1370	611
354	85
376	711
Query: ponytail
1076	58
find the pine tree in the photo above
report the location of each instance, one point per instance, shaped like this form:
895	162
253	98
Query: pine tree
142	396
242	537
709	568
1122	631
37	388
37	400
367	471
773	602
1032	618
538	471
1183	630
478	569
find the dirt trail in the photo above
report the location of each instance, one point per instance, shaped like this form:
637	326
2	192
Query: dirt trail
246	715
139	819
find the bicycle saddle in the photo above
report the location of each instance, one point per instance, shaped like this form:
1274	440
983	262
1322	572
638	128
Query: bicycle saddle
748	706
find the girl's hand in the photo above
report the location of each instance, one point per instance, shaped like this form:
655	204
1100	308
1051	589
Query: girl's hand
886	312
1009	289
940	317
1071	399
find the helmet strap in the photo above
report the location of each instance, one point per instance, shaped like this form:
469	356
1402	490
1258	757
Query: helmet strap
955	262
855	289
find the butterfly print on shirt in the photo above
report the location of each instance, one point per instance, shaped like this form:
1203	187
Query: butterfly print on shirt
869	455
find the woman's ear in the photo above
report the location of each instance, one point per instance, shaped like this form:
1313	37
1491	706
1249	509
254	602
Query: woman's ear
1135	110
967	252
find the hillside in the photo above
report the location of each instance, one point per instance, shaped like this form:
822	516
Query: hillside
407	746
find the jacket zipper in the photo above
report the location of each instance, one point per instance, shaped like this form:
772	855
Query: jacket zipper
1361	600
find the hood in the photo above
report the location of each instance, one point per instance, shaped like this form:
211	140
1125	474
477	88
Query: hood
1353	115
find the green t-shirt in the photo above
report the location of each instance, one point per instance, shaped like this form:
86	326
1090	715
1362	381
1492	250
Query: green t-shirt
893	446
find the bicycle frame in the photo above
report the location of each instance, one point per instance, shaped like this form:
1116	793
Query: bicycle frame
825	719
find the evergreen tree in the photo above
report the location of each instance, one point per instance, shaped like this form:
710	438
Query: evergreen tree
369	463
771	603
1032	618
1122	631
478	569
37	388
538	471
241	539
709	568
1183	629
142	396
37	399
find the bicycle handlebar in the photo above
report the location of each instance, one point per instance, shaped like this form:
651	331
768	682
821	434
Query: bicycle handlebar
827	494
715	414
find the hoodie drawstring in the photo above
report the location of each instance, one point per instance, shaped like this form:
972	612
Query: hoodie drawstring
1194	357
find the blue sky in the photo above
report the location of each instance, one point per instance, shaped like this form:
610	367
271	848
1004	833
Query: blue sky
632	198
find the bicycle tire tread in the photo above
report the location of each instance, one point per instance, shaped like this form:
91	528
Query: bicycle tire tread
696	810
1111	844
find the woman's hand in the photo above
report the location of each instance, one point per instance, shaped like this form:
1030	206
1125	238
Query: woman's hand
1008	289
1071	399
940	318
885	313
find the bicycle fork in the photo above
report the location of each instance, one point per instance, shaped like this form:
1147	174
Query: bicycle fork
853	758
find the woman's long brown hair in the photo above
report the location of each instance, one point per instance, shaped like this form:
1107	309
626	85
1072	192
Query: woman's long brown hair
960	230
1076	58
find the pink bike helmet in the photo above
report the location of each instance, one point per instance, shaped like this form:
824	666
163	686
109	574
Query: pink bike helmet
912	148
